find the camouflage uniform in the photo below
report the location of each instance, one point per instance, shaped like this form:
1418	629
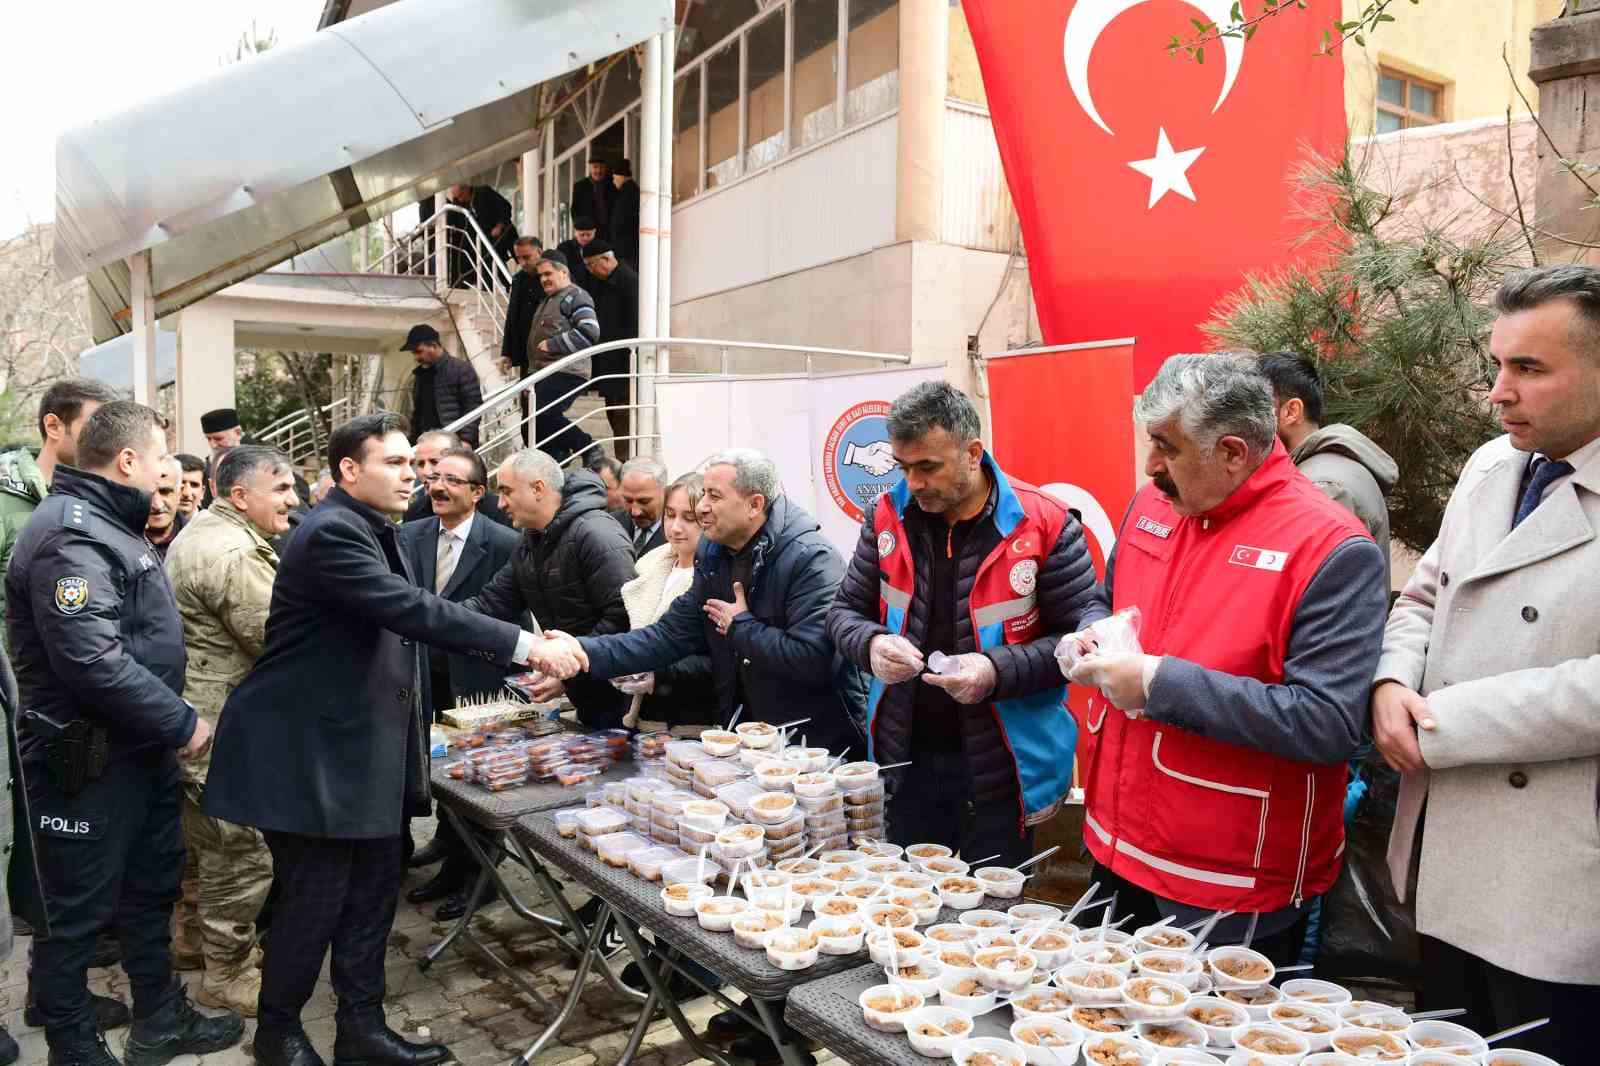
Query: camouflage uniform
21	488
221	569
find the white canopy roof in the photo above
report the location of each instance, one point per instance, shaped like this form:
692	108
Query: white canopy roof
273	156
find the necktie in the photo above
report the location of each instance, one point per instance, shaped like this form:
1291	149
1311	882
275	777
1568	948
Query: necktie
639	537
1545	471
447	561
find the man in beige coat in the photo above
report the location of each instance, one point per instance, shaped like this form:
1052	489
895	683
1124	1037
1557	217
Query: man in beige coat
1487	696
222	567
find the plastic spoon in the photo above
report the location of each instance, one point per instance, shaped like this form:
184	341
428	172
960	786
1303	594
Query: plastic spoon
1084	900
1435	1015
1250	931
1045	854
1515	1030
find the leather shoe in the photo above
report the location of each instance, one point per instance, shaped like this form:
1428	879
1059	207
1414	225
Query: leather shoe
378	1045
9	1051
759	1049
285	1049
108	1014
441	887
452	908
427	855
725	1027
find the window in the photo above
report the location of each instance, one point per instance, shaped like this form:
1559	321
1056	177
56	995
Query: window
816	69
763	93
1405	101
872	60
722	116
686	135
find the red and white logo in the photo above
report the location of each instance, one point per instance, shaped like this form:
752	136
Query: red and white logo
1258	558
1151	526
1024	577
885	544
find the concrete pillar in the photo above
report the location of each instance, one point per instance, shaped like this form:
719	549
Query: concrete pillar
1565	64
205	372
919	156
530	193
142	301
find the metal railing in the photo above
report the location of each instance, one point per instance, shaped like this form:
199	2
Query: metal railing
503	408
294	435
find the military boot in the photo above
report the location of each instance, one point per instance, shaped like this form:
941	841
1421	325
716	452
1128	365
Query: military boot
370	1042
85	1047
179	1029
231	988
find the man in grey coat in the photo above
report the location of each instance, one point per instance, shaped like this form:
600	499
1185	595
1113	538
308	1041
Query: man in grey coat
1487	695
1340	460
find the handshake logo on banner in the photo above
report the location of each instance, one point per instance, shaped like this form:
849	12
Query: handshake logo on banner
876	458
857	460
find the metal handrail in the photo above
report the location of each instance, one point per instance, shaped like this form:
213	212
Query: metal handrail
293	419
421	230
526	384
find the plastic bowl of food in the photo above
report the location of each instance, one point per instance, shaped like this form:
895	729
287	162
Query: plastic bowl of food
1116	1049
1091	985
741	841
1370	1045
1052	949
1436	1036
1186	969
1047	1041
959	893
1116	956
1005	969
925	905
934	1030
954	933
1181	1033
1162	938
1316	1024
750	929
945	868
1513	1057
838	936
706	815
792	949
1255	1001
1317	993
922	976
1100	1019
1041	1001
1033	914
1001	882
887	1008
897	947
838	907
719	742
776	776
1217	1017
813	784
756	735
1273	1044
1379	1017
910	880
988	1051
679	900
716	913
891	916
955	958
986	919
772	808
856	774
1183	1056
965	994
1152	999
567	823
789	908
764	884
1236	967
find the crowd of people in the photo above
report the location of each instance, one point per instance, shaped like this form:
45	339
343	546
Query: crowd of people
221	703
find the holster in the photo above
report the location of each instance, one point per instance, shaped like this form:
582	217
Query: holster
75	753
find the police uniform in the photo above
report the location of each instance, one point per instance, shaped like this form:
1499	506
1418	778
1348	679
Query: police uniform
99	656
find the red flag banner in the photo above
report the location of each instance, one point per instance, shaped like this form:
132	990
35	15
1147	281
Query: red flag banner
1147	184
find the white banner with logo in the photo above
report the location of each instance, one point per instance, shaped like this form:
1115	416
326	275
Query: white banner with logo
828	434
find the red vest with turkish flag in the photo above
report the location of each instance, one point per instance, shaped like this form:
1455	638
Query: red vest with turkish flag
1201	821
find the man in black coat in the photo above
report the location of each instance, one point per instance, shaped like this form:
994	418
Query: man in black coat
324	745
764	578
425	462
526	296
625	215
100	661
594	197
443	388
493	214
569	569
615	288
576	247
454	553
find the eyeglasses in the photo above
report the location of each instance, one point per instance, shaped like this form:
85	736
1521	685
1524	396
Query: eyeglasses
453	481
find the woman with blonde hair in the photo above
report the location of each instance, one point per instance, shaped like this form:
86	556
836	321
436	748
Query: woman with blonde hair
683	694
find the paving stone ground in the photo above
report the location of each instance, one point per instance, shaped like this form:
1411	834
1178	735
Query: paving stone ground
462	1000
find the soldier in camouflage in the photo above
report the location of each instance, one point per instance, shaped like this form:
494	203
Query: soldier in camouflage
222	567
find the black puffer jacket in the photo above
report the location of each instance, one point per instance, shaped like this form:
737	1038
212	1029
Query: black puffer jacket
570	575
455	392
1068	599
777	655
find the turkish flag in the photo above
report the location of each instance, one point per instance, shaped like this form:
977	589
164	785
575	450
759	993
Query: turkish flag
1148	185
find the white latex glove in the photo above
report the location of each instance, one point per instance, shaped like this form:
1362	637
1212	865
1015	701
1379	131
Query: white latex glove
894	658
968	678
637	684
1072	648
1122	677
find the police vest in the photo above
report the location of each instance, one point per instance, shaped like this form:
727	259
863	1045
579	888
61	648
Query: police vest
1197	820
1003	608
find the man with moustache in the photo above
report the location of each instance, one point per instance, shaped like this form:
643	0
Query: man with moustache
222	567
454	553
164	523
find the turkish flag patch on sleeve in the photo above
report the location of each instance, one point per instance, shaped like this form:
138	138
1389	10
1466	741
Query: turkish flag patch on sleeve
1258	558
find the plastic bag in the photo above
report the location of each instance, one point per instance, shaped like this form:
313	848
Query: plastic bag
1118	632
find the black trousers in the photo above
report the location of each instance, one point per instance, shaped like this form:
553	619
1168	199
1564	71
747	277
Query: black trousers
110	856
935	805
1497	999
560	437
338	894
1282	947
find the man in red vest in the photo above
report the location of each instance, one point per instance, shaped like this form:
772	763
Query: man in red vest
1214	759
960	559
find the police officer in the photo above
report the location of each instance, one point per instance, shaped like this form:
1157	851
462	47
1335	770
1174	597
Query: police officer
99	656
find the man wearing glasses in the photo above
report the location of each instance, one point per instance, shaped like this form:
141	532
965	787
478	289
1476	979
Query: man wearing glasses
454	554
425	461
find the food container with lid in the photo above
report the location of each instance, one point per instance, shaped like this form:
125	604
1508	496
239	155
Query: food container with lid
693	839
827	803
706	815
614	848
902	947
934	1030
886	1008
713	774
1046	1040
787	830
567	823
1151	999
598	821
647	862
793	949
1272	1044
690	871
1218	1017
680	899
1001	882
860	793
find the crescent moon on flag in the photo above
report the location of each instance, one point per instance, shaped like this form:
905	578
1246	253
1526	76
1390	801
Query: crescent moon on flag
1089	20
